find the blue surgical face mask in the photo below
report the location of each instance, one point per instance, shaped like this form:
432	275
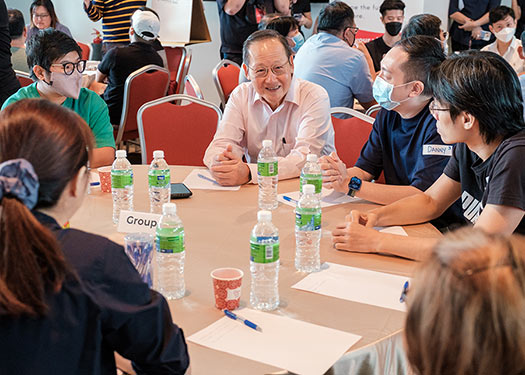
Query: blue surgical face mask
299	41
382	91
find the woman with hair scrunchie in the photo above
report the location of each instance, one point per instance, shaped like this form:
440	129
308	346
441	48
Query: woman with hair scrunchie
68	299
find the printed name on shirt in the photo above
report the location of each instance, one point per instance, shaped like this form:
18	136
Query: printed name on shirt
471	207
442	150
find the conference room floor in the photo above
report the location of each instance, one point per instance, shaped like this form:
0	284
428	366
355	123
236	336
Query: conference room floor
217	226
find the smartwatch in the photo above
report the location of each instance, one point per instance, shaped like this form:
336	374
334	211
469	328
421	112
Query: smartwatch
354	186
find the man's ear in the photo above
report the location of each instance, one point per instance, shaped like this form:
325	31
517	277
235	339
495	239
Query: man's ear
491	29
39	72
417	89
468	120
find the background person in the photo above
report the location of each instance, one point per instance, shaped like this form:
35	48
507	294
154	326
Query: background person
392	17
465	307
301	11
503	26
8	78
18	32
289	28
54	60
43	17
68	297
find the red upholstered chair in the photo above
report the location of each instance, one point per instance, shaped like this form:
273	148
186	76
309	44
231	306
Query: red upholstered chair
226	78
350	134
183	131
86	50
179	60
192	88
24	78
143	85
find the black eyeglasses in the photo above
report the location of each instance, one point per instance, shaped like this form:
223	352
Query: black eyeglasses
69	67
353	29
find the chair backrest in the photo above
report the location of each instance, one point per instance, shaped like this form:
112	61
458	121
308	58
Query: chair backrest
86	50
192	88
350	134
184	69
183	132
372	111
143	85
175	57
226	78
24	78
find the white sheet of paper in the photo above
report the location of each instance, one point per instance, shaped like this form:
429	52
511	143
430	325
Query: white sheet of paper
284	342
356	284
329	197
193	181
396	229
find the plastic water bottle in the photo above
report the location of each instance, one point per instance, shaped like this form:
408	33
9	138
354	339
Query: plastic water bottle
121	184
264	263
169	243
308	231
267	172
312	174
159	182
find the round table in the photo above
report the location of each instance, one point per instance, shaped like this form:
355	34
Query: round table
217	226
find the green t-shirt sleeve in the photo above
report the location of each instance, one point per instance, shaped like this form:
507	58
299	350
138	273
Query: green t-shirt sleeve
23	93
97	118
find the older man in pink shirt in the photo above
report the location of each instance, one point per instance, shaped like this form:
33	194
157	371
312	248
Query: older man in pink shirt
293	113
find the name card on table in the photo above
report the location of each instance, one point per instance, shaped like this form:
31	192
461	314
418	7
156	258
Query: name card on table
137	222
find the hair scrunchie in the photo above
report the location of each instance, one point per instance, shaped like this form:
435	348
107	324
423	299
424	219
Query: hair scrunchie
19	180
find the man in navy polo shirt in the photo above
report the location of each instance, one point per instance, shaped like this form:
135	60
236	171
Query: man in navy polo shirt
404	144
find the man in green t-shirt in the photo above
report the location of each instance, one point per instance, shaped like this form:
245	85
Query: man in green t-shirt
55	64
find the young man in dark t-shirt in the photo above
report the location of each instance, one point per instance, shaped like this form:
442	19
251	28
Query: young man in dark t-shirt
118	63
392	16
404	144
478	107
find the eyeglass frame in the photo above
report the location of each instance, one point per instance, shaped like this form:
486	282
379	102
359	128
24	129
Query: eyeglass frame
266	70
75	65
435	111
352	28
40	16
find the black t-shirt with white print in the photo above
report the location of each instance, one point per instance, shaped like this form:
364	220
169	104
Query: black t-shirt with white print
499	180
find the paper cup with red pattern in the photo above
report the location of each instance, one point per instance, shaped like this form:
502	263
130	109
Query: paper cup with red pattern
227	287
105	179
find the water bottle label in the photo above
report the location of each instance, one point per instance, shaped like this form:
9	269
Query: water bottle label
121	181
308	221
159	180
172	244
267	169
317	181
264	253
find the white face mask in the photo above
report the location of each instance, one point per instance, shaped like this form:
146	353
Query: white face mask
505	35
67	85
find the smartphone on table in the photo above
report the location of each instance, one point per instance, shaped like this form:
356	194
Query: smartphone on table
179	190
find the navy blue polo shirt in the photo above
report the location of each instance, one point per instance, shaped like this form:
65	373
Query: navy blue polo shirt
407	151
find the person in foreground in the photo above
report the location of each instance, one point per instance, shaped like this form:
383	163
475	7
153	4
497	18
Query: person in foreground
465	307
478	106
293	113
68	299
55	64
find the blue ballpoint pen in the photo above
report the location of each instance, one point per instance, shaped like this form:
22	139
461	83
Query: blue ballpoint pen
239	318
404	292
290	199
207	179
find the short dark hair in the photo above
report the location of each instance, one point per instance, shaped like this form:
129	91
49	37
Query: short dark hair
335	17
283	25
425	54
422	24
50	8
47	46
484	85
259	36
500	13
16	23
391	5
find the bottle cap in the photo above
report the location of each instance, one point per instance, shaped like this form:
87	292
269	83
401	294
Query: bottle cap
311	157
169	208
308	189
267	143
264	215
120	153
158	154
